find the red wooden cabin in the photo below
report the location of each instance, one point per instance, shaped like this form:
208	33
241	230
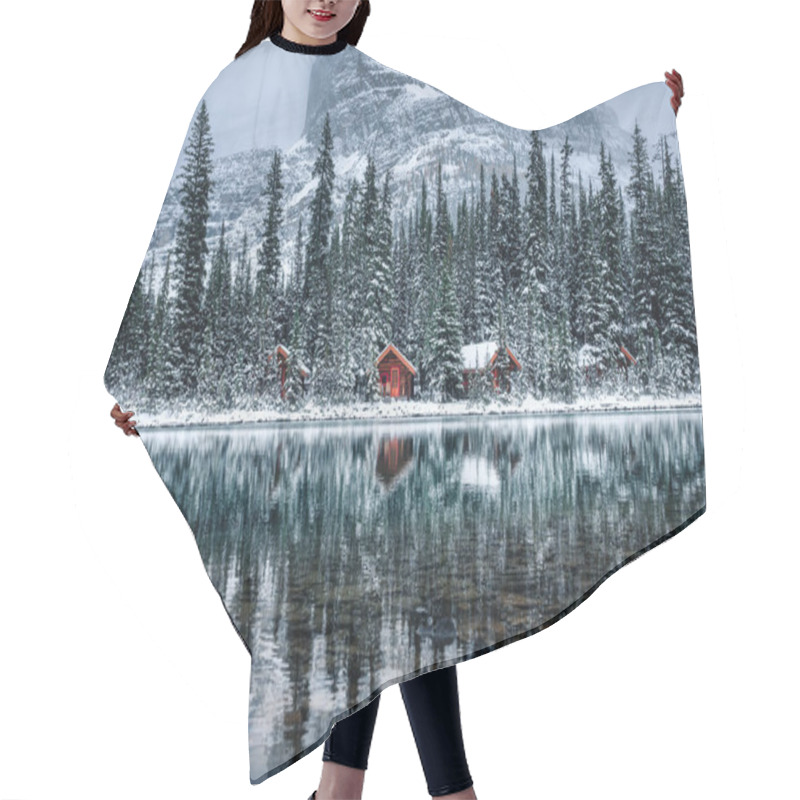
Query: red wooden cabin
395	373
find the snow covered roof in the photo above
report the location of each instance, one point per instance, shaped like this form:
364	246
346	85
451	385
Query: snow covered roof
478	355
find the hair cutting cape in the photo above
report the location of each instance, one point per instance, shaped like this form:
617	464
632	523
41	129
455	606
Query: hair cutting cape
418	380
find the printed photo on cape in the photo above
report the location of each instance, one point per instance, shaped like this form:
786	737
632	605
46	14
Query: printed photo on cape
419	381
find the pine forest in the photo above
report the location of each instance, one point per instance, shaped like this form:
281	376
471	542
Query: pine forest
583	286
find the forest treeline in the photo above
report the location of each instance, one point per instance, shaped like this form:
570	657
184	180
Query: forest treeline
561	273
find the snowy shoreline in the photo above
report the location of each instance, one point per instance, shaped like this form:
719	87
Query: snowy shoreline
401	409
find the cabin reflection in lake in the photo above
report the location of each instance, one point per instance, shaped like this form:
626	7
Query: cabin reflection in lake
350	556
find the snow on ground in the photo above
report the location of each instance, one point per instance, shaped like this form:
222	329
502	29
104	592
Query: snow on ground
397	408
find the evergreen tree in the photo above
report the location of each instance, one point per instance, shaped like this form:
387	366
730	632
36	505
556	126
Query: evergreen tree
317	289
446	367
611	287
243	330
293	384
268	274
402	288
494	236
483	265
552	249
514	233
533	325
384	277
191	248
583	237
594	348
164	370
350	313
294	291
533	339
679	338
463	259
340	381
419	336
563	361
444	354
560	307
625	276
145	343
685	334
505	227
568	283
469	281
374	213
213	378
536	216
565	184
644	253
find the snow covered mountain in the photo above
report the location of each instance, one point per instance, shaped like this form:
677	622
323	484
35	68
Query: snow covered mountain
407	126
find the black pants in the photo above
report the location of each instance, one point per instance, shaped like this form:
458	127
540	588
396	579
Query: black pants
433	711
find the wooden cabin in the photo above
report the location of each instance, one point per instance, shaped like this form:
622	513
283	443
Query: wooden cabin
395	373
482	356
594	369
279	357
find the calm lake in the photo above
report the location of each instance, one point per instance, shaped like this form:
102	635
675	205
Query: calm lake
352	554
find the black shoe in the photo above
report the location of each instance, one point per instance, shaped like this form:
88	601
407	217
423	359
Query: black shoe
313	795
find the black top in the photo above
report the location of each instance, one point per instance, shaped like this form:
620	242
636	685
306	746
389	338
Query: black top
311	49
